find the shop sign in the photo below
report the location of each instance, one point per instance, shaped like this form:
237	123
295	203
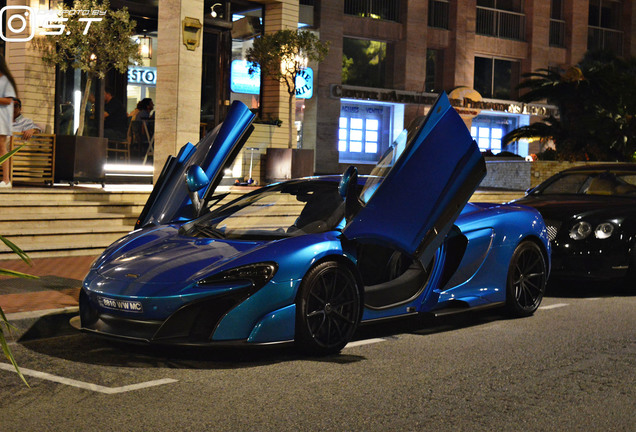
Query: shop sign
242	82
142	75
405	97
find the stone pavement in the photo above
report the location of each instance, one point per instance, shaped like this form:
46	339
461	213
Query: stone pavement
60	280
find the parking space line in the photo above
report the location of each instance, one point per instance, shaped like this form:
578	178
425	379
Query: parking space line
364	342
554	306
85	385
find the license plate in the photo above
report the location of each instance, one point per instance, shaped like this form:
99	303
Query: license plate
120	305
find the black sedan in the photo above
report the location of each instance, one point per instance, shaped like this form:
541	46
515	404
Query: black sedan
590	213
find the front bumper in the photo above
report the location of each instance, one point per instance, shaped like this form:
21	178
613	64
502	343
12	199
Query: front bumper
590	259
192	324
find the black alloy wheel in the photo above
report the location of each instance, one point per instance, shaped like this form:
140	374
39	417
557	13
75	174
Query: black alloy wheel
327	309
527	277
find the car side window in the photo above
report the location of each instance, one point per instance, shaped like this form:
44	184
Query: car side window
568	184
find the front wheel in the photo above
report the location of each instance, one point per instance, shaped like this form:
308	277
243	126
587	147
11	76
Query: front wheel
327	309
527	277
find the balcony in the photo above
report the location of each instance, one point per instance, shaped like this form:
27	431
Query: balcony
376	9
606	39
557	33
438	13
501	24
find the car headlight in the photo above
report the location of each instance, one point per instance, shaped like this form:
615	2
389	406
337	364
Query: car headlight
580	230
255	274
604	230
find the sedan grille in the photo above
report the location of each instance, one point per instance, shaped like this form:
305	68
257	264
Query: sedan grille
553	228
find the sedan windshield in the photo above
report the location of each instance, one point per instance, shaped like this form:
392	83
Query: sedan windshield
592	183
284	210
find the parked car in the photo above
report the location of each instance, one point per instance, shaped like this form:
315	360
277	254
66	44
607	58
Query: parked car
309	260
590	213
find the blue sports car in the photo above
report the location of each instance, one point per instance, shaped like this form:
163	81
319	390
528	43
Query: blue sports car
309	260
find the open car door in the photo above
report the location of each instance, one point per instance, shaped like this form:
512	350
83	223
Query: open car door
170	199
420	186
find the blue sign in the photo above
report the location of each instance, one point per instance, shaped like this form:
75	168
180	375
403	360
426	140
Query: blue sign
240	79
242	82
142	75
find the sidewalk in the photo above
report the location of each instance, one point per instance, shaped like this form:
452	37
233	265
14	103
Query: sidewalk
60	280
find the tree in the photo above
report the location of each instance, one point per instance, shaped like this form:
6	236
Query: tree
596	100
95	47
282	56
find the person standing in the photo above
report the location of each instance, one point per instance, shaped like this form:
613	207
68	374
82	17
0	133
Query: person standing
7	93
115	117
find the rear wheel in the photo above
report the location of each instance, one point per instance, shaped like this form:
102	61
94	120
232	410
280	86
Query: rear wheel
527	277
327	309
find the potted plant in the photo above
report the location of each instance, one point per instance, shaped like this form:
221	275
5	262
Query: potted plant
281	56
95	48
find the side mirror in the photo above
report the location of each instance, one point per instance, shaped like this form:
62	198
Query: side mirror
346	180
348	189
196	179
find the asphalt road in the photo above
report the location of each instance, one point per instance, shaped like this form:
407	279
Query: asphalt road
570	367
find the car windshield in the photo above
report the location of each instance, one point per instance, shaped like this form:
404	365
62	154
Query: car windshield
610	183
284	210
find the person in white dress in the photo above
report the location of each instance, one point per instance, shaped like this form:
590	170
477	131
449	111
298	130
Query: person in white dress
7	93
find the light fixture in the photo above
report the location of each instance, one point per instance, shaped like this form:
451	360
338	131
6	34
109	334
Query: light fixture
213	13
145	46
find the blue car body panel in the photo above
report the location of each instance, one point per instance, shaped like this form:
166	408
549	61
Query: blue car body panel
160	284
169	201
427	179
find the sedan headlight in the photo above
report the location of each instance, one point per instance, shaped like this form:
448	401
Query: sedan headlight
256	275
580	230
604	230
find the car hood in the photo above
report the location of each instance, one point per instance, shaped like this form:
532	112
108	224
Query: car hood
563	207
162	257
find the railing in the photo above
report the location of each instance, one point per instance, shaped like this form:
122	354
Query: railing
603	38
501	24
377	9
557	33
438	13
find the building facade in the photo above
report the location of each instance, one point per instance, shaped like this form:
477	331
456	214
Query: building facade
387	62
389	59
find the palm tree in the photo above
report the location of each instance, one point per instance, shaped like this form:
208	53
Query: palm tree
596	101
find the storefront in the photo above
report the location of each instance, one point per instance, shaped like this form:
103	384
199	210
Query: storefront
371	118
366	130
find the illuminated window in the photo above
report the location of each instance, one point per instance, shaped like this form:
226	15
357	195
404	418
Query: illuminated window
363	132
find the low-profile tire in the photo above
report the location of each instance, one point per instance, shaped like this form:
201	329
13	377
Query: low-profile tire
327	309
527	277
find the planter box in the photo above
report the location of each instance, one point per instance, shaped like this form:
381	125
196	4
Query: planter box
285	164
80	158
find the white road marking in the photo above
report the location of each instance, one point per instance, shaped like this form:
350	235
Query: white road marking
85	385
364	342
554	306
